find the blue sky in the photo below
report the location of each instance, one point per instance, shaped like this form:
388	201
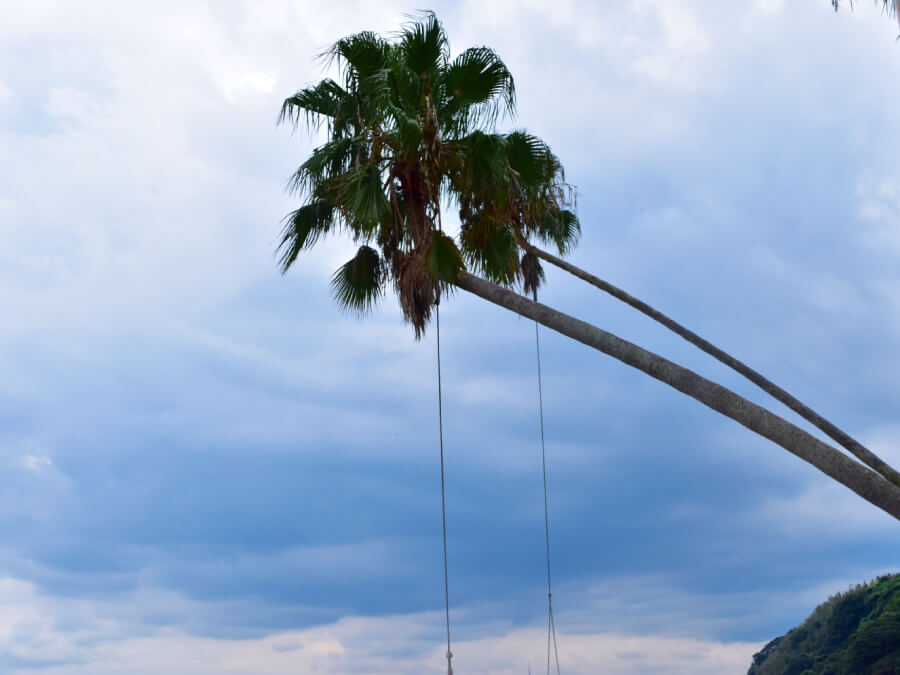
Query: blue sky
208	468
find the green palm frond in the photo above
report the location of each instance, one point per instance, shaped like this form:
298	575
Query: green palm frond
443	258
531	160
360	56
483	163
332	159
323	100
561	228
404	85
491	248
359	282
405	135
360	194
302	229
425	48
478	88
410	130
514	174
366	61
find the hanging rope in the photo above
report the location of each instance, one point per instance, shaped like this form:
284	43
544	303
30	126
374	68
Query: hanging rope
443	500
551	625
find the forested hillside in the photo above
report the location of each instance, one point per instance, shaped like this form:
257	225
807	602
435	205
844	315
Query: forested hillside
853	633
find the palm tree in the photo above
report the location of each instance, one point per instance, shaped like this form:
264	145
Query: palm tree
855	447
409	132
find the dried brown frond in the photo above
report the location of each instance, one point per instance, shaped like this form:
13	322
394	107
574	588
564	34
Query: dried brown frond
532	274
416	289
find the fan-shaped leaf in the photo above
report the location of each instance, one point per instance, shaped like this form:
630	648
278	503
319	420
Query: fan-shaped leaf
321	100
332	159
479	86
424	45
302	229
443	258
479	173
362	198
361	55
358	283
560	227
531	159
491	248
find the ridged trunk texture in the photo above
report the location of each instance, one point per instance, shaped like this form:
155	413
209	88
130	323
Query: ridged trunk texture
855	447
868	484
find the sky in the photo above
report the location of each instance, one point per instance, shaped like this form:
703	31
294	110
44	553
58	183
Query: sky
207	467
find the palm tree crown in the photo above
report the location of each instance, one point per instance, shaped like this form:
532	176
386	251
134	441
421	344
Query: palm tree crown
409	129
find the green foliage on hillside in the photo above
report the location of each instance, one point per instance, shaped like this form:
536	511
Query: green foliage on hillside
852	633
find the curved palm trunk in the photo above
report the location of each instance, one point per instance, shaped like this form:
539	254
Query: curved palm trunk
855	447
866	483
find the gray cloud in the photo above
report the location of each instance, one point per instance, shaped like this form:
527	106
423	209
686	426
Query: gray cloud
184	430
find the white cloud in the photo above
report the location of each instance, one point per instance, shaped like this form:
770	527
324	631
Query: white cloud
770	6
141	194
248	82
678	61
145	198
879	205
824	509
37	463
340	649
31	632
